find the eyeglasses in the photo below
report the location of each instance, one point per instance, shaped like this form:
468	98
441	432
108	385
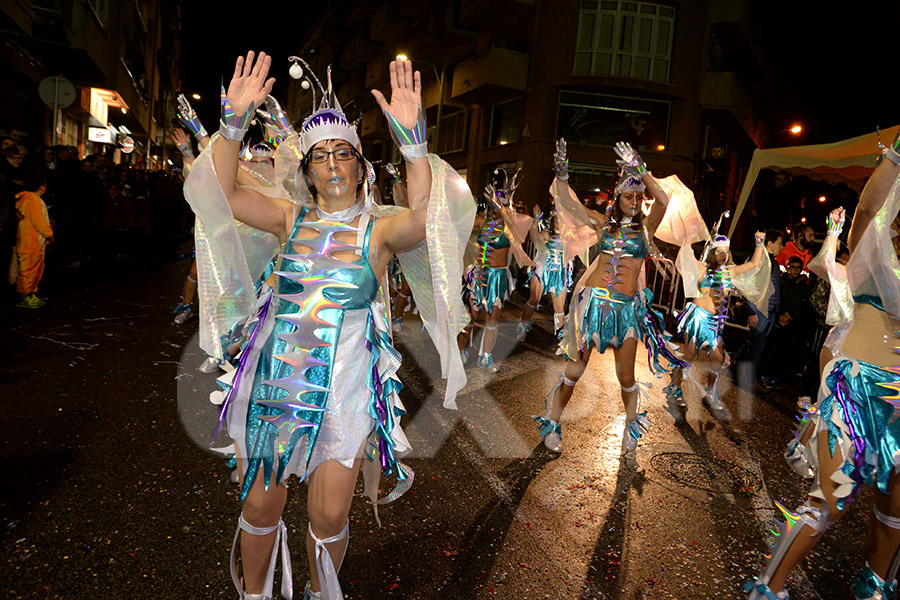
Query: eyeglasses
341	154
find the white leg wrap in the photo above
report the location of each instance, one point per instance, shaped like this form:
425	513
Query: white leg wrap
534	306
189	278
287	589
558	320
893	523
328	574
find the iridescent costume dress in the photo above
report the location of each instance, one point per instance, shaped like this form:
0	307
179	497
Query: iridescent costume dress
857	421
316	379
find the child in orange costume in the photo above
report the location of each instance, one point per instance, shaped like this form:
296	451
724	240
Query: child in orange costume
33	235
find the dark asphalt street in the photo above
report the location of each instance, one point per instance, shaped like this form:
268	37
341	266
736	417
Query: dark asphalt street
108	495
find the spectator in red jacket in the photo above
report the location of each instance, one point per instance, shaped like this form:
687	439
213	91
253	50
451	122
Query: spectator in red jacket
801	247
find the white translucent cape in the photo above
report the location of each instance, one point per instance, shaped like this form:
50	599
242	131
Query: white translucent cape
825	265
873	268
231	255
575	228
682	225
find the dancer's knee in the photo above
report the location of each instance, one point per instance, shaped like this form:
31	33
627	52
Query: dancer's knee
328	518
574	371
626	378
264	509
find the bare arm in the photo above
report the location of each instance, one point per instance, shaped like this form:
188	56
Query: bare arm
248	85
658	210
755	260
406	229
872	198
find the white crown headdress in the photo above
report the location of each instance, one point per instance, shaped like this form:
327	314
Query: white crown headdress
328	121
720	241
629	183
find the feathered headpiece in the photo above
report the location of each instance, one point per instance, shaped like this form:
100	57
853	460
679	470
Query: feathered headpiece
501	189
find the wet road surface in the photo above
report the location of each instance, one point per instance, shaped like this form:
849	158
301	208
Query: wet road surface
110	492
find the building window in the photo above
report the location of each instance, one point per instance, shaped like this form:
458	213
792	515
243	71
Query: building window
600	120
506	122
453	132
625	39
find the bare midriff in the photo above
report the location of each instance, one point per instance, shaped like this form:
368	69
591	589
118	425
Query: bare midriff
618	274
872	337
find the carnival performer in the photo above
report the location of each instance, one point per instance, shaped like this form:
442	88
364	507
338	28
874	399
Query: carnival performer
315	392
701	323
402	301
552	274
839	315
188	117
488	281
856	433
608	309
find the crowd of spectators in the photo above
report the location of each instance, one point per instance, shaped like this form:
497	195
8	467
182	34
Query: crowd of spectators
101	212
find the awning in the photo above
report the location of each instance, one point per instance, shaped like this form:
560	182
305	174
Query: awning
849	161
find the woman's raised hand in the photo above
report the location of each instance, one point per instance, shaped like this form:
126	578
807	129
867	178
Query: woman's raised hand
406	94
249	85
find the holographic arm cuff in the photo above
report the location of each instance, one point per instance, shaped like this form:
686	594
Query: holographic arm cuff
411	142
834	227
892	152
276	120
185	113
233	126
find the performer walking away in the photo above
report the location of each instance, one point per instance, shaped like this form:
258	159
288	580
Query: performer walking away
488	282
702	321
316	393
551	274
608	309
856	432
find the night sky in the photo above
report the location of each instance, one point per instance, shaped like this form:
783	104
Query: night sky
831	68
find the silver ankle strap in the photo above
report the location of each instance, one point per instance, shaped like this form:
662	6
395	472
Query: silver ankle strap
328	574
287	588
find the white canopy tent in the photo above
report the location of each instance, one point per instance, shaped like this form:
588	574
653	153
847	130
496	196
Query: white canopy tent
849	161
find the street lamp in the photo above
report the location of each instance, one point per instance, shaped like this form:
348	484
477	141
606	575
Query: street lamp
195	96
795	129
402	57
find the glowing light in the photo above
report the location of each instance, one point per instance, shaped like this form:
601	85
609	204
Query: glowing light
822	198
402	57
803	220
124	110
503	142
796	129
195	96
661	147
